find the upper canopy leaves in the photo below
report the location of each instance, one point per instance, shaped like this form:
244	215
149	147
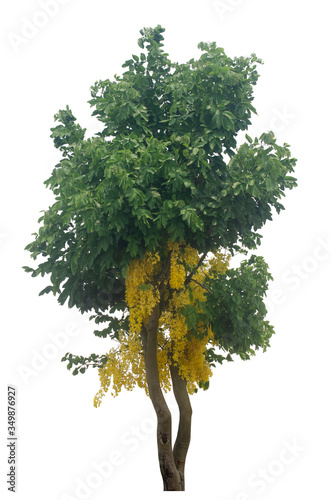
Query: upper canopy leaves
165	165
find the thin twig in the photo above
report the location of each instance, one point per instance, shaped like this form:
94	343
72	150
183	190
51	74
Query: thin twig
202	286
189	277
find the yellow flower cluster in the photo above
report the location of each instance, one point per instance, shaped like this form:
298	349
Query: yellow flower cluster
219	263
182	257
125	367
141	293
163	361
192	363
184	350
188	353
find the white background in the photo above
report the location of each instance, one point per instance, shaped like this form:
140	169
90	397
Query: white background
262	430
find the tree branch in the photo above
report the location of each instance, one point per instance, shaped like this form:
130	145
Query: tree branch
202	286
189	277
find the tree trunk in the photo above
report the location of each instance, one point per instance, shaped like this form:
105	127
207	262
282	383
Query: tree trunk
184	428
171	461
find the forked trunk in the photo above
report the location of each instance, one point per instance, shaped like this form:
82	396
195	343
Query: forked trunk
171	460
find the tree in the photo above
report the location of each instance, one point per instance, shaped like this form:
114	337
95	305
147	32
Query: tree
147	214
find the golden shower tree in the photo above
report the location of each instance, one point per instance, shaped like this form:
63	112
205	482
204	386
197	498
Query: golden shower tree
147	214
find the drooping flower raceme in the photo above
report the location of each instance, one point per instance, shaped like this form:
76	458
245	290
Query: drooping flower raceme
177	342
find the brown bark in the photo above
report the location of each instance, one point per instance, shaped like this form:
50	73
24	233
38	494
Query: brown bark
184	428
171	460
170	475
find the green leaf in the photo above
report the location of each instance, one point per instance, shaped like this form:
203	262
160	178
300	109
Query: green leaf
145	288
28	269
269	184
46	290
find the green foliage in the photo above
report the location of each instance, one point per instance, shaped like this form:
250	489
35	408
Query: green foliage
80	363
235	309
166	164
114	324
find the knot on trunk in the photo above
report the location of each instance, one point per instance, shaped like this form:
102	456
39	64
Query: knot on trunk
164	438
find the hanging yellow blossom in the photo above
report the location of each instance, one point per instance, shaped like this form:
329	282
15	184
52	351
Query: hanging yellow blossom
141	293
176	344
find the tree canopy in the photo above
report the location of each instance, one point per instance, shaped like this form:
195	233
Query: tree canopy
149	211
